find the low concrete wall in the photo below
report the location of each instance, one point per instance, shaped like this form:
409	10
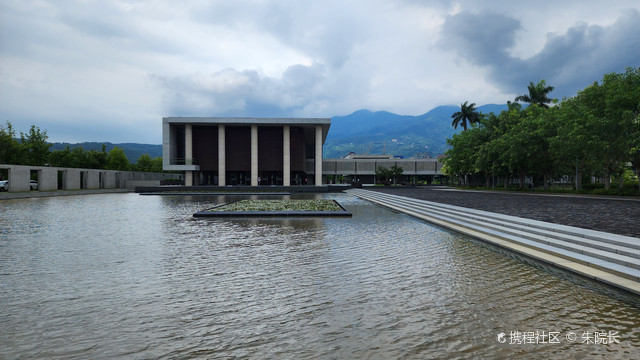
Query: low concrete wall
48	178
108	180
93	179
19	178
71	179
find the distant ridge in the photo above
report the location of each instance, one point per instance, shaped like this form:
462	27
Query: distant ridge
402	135
361	132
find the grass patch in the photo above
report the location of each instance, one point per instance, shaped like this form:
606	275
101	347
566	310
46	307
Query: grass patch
276	208
280	205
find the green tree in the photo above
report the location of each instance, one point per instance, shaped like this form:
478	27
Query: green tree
516	147
597	132
117	160
61	158
486	157
575	143
35	147
97	159
156	164
79	158
541	125
634	151
634	155
622	109
466	116
510	144
383	174
396	172
610	109
461	157
537	94
10	150
143	163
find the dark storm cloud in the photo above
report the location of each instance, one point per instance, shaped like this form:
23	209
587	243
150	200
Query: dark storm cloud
480	38
569	61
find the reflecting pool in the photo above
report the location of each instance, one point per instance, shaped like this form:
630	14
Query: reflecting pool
130	276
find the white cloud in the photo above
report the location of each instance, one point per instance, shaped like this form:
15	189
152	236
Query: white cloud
85	69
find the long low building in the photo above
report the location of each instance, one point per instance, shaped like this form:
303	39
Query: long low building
267	151
363	169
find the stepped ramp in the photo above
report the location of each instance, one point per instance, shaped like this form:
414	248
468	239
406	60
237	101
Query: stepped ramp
610	258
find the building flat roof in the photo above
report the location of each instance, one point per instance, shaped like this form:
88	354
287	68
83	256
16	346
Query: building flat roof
305	123
247	120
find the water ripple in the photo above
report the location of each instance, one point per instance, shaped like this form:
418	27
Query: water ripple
125	276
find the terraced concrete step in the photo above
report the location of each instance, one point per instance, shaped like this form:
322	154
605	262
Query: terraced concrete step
606	252
545	235
569	233
613	253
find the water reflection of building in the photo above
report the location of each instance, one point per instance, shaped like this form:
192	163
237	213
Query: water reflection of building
245	151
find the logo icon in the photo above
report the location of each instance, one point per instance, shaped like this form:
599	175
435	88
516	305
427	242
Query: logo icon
501	338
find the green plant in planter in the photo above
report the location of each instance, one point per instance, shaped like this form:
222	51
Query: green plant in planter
280	205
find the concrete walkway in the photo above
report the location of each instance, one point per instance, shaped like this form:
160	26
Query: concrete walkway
610	258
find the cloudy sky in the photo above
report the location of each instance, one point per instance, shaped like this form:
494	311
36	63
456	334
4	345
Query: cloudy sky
110	70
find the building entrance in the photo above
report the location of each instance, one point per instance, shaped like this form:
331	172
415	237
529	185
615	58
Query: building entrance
239	177
270	177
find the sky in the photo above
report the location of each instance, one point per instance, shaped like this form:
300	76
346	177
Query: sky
109	70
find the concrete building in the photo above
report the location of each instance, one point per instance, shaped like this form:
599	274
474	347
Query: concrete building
362	168
245	151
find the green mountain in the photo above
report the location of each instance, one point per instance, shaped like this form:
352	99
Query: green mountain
363	132
366	132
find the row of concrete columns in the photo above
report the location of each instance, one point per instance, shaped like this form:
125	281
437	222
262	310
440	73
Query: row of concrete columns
254	155
188	152
286	157
222	163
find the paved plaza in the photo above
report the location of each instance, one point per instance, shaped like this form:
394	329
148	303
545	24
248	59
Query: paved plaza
610	214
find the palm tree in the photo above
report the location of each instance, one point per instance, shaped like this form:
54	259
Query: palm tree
537	94
466	115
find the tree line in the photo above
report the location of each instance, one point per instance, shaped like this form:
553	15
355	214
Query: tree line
387	175
32	148
593	134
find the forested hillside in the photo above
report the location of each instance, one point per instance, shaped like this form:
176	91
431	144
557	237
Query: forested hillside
401	135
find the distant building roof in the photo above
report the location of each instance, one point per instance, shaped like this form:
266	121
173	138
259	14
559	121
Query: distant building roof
368	157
